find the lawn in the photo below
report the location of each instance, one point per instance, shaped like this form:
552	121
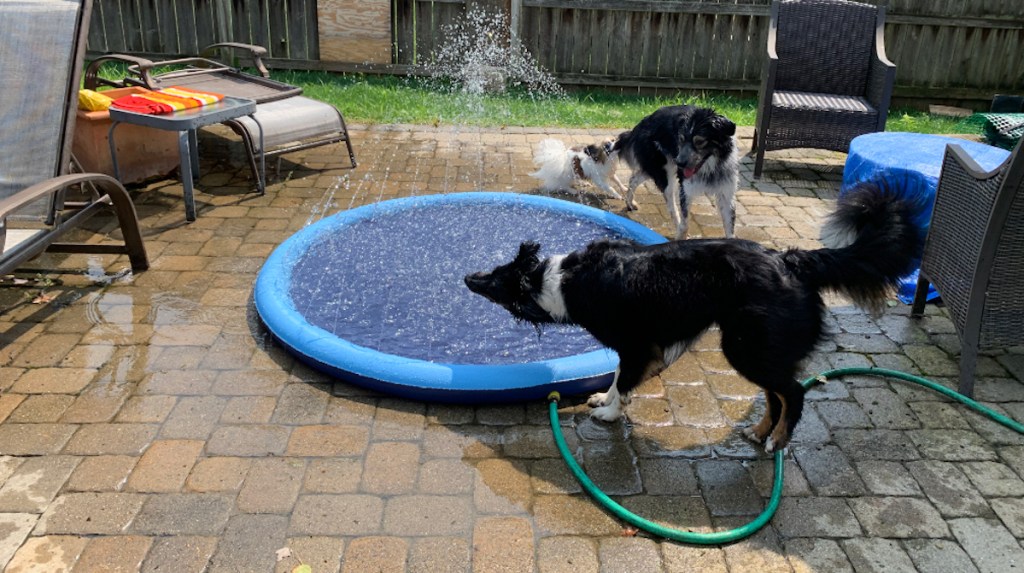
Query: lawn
381	99
389	99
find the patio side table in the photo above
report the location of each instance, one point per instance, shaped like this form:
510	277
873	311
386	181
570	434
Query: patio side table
911	164
185	123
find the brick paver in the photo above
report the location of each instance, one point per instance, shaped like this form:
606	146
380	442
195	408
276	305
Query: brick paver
150	423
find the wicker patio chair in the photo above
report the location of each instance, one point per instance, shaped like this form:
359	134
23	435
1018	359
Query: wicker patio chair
826	78
43	47
974	255
289	120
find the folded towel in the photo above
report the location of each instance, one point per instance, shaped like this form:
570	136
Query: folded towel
166	100
90	100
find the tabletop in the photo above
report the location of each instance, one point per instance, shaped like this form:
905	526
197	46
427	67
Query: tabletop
916	156
186	119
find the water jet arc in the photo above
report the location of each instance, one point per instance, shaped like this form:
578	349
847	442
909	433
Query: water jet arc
313	298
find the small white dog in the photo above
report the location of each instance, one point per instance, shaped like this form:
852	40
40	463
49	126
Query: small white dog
559	167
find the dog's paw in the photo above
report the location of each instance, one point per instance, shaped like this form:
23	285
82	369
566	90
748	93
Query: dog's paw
632	206
597	399
771	446
609	413
751	435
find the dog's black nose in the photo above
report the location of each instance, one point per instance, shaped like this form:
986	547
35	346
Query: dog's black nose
477	282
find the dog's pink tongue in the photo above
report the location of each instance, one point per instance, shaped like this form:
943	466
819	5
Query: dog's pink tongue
688	172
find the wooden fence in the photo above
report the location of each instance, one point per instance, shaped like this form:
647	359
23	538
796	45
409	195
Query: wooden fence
944	50
287	28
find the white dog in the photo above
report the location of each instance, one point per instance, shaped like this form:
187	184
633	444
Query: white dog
559	167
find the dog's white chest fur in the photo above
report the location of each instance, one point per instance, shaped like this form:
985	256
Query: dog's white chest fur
550	297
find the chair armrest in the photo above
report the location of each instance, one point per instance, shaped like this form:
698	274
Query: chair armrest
965	190
963	202
112	194
771	65
773	33
35	192
255	52
93	79
881	73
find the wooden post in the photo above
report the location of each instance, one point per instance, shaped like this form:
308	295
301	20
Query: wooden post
515	12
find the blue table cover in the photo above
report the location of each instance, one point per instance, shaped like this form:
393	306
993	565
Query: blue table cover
912	162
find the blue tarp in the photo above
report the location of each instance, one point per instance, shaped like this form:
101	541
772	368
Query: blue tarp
911	163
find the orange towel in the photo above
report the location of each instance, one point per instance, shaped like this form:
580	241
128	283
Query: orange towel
167	100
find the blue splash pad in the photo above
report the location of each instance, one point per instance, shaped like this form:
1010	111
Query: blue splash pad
374	296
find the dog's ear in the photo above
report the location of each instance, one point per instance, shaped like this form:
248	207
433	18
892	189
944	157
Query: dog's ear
723	124
528	252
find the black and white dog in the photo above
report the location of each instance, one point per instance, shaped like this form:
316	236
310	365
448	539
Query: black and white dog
687	151
649	303
558	166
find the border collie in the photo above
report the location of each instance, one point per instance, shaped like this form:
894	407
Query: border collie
559	167
648	303
687	151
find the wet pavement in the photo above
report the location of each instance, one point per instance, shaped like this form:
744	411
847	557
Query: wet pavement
150	424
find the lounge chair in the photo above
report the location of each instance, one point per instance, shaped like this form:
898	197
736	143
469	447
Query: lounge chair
974	255
826	78
290	121
43	47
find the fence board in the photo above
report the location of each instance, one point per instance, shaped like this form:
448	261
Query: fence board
132	24
598	42
672	60
402	22
201	20
942	48
649	29
98	34
757	41
704	32
287	28
185	22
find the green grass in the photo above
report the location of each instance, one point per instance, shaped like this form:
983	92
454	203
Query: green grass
377	99
388	99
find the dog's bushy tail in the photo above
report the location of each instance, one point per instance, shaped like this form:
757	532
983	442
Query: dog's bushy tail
553	166
873	238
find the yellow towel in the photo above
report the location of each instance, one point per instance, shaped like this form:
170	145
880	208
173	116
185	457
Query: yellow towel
90	100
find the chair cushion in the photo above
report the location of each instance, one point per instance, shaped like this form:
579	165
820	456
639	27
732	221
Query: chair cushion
822	102
293	120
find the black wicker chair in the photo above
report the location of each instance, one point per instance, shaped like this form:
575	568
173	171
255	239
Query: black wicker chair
974	255
826	78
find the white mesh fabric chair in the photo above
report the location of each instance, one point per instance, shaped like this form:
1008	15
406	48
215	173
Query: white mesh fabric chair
290	121
974	255
42	46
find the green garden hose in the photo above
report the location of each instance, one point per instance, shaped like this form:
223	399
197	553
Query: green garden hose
721	537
